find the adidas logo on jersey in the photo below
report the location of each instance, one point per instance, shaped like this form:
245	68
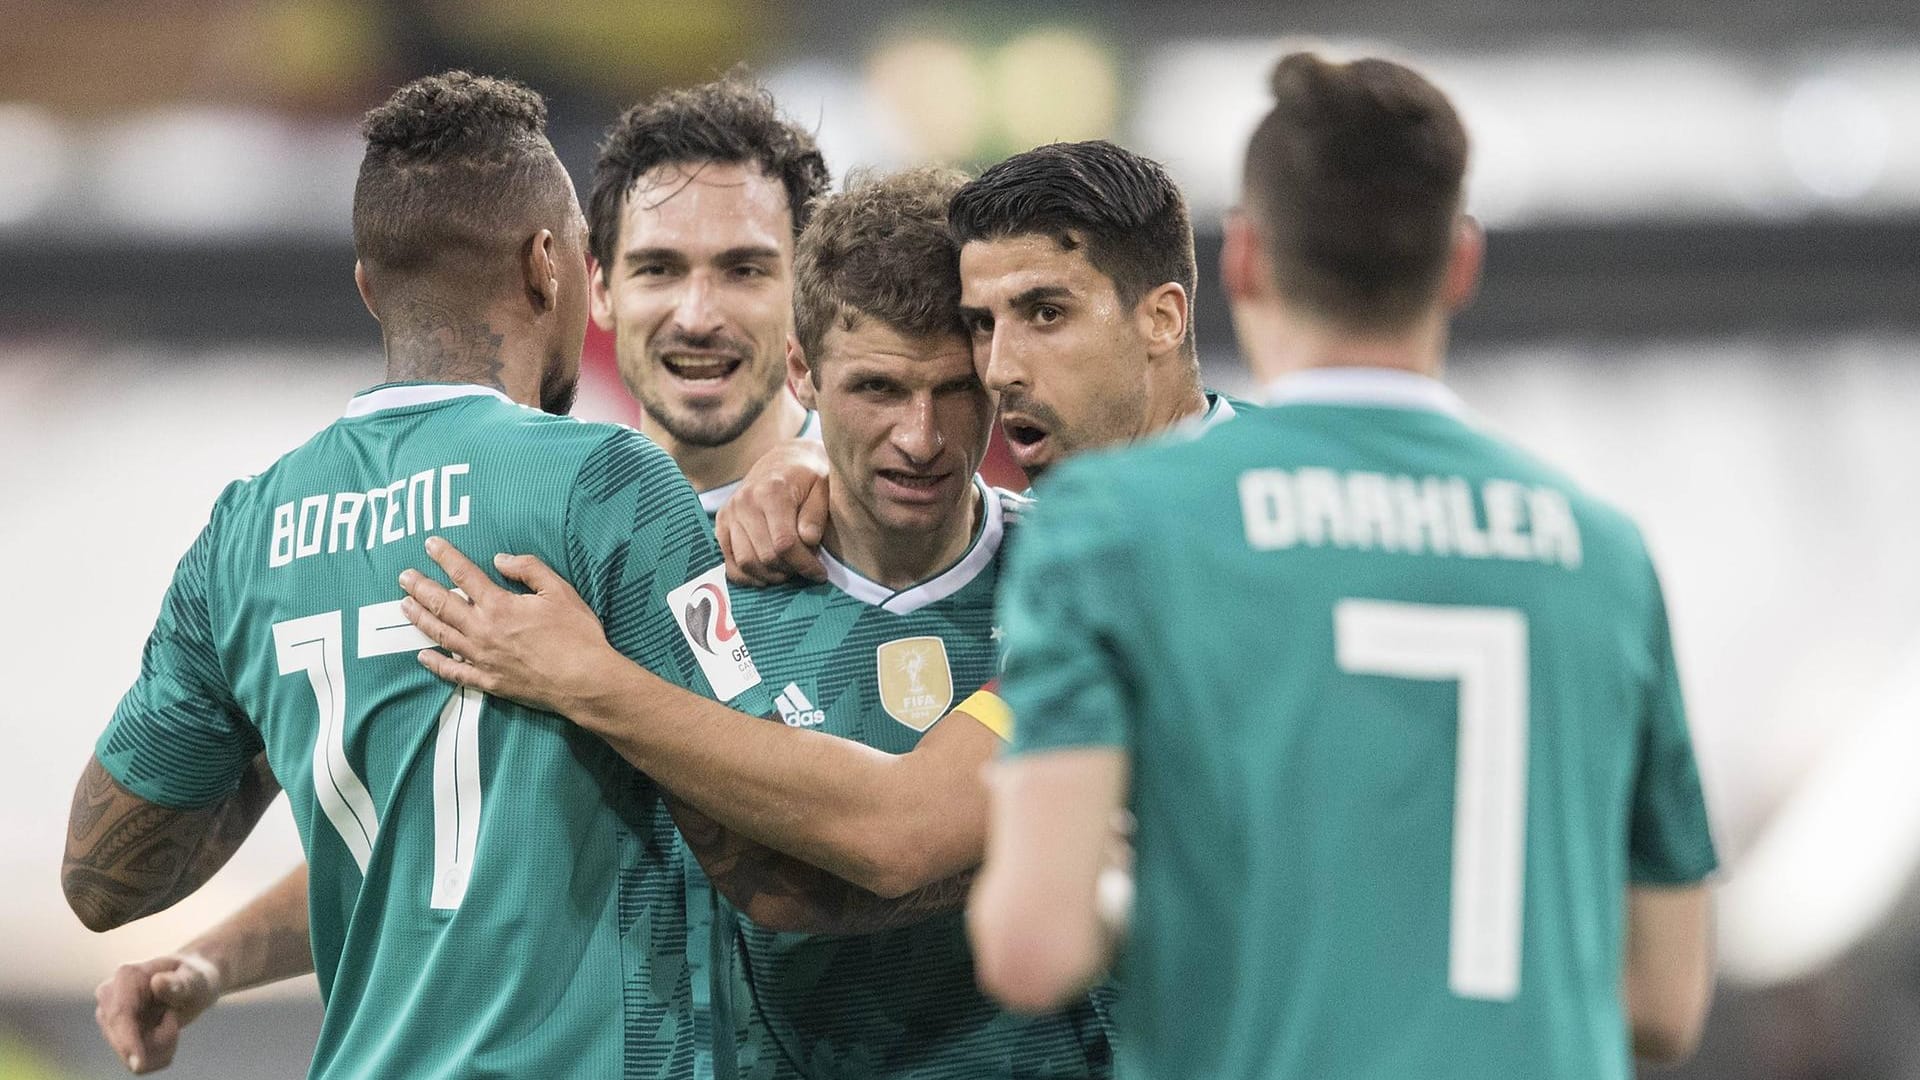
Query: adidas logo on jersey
796	710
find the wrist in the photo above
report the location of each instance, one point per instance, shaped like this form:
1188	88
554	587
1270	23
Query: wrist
611	680
199	960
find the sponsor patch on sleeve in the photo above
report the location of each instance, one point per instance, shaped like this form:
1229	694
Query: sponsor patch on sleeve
703	610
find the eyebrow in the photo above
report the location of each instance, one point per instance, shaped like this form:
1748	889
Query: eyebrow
1040	294
745	253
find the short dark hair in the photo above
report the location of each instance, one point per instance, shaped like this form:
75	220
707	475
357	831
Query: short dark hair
880	250
1125	208
1355	177
455	165
730	121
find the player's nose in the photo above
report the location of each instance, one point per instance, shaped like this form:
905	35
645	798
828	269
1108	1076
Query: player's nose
695	311
1001	364
917	435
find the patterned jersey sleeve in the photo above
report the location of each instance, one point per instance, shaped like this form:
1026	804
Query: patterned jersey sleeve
1063	604
643	556
178	738
1669	842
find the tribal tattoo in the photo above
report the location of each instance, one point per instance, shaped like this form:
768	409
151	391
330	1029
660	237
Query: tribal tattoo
781	892
127	858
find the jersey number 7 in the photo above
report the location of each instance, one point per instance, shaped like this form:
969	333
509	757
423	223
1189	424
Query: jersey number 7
1485	649
315	645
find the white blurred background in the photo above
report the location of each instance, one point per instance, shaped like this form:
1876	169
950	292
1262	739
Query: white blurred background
1703	299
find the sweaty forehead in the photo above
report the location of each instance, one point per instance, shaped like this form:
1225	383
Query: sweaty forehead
707	208
994	272
870	346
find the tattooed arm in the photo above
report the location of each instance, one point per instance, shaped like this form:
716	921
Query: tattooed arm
780	892
127	858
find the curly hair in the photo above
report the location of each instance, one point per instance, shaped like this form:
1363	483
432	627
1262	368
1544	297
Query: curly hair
880	250
455	164
730	121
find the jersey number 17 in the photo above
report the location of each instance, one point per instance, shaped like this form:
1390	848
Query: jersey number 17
315	645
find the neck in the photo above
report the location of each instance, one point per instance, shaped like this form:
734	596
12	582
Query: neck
709	467
428	340
1177	397
897	558
1280	342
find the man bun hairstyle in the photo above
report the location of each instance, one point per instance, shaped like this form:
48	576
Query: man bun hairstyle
731	121
457	165
1123	208
1356	177
879	250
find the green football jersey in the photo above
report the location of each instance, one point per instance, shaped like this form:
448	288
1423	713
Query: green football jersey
1403	725
710	954
864	662
493	892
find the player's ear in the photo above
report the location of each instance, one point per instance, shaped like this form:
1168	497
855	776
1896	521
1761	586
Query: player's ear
1469	253
540	271
365	286
599	302
801	379
1163	315
1240	258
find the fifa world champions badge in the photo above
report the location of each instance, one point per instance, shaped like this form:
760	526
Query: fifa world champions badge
916	681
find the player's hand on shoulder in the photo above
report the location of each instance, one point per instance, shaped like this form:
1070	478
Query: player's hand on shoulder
142	1007
770	529
545	648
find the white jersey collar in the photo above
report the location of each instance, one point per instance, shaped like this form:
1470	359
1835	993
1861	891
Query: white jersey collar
404	394
712	499
1218	411
949	581
1383	387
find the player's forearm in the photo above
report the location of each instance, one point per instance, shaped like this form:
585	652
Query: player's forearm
779	892
127	858
856	812
265	942
1038	938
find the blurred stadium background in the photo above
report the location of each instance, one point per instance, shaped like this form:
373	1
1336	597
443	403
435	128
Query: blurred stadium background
1703	297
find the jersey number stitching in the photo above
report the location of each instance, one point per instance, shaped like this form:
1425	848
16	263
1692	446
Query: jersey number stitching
1485	649
314	645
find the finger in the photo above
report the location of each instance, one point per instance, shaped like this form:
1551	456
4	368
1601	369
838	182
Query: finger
724	535
438	630
183	989
762	556
531	571
161	1042
461	570
737	550
453	671
120	1003
436	599
813	514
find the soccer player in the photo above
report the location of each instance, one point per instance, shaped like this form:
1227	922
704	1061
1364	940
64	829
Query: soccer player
1077	283
492	893
697	200
864	766
1394	704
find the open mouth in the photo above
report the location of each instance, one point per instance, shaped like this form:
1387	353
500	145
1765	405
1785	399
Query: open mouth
1023	434
701	369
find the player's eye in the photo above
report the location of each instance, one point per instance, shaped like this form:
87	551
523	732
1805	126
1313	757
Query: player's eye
981	325
1047	313
749	272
